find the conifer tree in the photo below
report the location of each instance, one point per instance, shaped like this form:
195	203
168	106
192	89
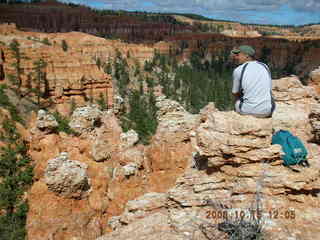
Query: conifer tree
15	79
39	66
16	176
64	45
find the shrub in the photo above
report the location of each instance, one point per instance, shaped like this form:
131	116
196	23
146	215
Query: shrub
101	101
5	103
16	175
142	115
64	45
46	41
63	123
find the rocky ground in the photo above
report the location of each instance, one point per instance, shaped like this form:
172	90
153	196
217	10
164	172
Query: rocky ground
198	170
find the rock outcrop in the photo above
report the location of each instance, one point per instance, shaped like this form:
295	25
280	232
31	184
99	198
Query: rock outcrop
71	75
235	170
106	138
314	77
153	227
46	121
128	139
66	177
85	119
77	74
315	122
294	105
197	169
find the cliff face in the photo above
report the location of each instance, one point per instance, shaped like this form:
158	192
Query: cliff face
234	169
72	74
84	182
75	73
53	16
196	164
116	167
282	55
314	77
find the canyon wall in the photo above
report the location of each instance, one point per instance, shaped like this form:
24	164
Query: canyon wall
102	180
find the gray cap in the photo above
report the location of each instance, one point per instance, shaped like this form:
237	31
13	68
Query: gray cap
246	49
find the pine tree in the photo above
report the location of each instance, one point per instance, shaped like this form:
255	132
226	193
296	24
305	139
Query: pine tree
15	79
39	66
64	45
101	101
16	176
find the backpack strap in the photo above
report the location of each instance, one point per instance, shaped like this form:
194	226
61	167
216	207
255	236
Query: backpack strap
240	85
273	104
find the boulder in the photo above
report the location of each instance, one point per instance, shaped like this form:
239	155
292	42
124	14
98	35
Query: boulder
106	138
85	119
67	178
315	122
128	139
46	122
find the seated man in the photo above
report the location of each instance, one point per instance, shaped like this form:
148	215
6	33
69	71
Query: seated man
252	85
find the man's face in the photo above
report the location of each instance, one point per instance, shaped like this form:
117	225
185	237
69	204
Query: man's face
240	57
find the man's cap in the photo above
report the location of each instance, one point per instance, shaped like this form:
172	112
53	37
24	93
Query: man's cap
246	49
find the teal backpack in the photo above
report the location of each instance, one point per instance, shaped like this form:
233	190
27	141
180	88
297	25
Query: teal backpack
295	151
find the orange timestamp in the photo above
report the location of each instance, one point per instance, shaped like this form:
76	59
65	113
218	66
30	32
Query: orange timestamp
249	214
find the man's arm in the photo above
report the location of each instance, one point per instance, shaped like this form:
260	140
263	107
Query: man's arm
236	96
235	85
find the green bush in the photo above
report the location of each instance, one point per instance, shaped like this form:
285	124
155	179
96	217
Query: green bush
63	124
197	83
16	173
101	101
64	45
141	116
46	41
5	103
242	229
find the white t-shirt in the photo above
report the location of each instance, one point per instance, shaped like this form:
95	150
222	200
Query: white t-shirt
256	85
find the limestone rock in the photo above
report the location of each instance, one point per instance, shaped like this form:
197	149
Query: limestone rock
315	76
132	155
169	153
128	139
235	188
106	138
226	137
291	89
46	122
315	122
85	119
153	227
66	177
101	150
118	104
174	121
114	222
130	169
293	106
139	208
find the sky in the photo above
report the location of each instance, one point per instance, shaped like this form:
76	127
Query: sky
280	12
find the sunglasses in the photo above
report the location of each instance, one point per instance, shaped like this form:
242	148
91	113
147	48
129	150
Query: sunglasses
235	52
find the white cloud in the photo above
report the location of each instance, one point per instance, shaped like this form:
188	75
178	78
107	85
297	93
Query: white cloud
216	5
238	10
306	5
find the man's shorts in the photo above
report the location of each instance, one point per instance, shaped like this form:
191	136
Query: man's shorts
258	115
